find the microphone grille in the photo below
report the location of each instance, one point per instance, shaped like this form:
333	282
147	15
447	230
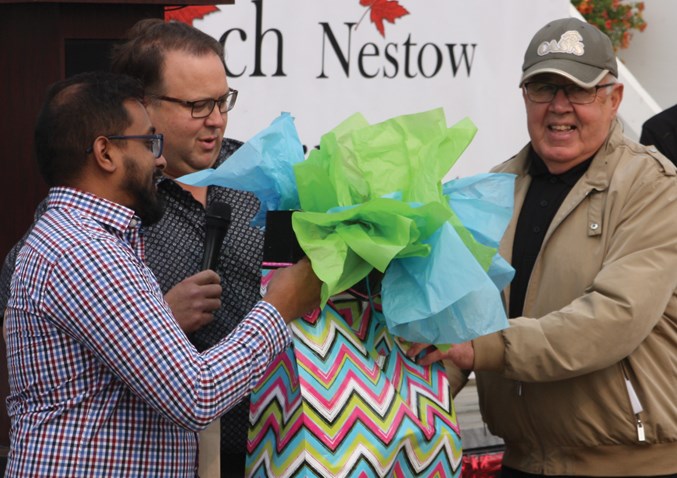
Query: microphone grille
218	214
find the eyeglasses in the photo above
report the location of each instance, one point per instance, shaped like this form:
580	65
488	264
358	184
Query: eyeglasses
203	108
539	92
155	142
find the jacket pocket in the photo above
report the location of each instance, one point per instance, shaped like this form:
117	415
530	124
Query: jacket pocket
635	404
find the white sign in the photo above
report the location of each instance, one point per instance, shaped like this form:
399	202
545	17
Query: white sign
322	61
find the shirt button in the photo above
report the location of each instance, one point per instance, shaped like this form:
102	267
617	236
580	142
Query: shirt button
594	226
133	223
543	203
537	229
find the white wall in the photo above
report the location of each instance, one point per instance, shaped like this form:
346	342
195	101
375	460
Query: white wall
300	71
489	96
639	101
652	55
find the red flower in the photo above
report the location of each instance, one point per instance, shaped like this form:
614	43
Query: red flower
625	39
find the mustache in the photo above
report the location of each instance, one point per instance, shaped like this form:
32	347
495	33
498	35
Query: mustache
157	175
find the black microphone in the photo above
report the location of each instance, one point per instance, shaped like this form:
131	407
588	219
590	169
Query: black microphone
217	221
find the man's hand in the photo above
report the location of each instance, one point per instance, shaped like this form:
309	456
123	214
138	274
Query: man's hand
194	300
294	291
462	355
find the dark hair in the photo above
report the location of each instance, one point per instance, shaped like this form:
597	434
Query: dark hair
142	54
76	111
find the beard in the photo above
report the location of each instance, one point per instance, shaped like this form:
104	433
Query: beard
147	203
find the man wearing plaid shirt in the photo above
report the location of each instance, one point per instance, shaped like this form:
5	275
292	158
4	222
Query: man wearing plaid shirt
103	382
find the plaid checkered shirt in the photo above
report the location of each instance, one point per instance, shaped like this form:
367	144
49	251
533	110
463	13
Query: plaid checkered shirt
102	380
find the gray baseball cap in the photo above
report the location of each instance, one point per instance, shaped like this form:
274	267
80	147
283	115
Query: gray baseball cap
571	48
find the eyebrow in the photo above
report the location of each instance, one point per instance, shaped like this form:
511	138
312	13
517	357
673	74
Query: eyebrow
209	98
204	98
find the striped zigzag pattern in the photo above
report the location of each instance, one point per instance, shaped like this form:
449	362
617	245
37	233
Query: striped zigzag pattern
344	401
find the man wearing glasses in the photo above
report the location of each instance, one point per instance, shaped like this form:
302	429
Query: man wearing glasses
103	381
188	97
583	381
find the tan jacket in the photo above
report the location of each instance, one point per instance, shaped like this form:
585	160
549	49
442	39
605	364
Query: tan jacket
600	307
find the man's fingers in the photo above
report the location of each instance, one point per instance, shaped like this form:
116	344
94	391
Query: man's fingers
211	291
433	356
206	277
212	305
415	349
206	318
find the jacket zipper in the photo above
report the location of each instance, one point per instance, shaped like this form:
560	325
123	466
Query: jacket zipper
636	407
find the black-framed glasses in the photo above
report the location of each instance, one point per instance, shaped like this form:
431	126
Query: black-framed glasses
540	92
203	108
154	142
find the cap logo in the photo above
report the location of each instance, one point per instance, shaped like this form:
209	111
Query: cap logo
570	42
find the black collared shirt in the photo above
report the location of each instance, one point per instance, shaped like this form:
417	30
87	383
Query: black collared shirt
545	196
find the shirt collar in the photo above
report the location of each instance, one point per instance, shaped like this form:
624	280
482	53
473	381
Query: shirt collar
105	212
537	168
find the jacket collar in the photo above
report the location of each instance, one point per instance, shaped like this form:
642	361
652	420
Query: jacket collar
596	178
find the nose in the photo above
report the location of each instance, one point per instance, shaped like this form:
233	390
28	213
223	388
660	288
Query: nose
161	162
216	118
560	101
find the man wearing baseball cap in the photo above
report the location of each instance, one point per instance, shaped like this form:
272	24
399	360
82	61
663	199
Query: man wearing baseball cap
584	380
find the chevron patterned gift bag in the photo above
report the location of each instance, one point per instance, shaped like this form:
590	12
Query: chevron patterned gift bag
345	401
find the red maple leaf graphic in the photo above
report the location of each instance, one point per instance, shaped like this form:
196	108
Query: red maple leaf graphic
389	10
188	14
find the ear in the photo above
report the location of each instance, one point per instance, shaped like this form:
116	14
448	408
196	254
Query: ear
524	95
616	97
104	154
